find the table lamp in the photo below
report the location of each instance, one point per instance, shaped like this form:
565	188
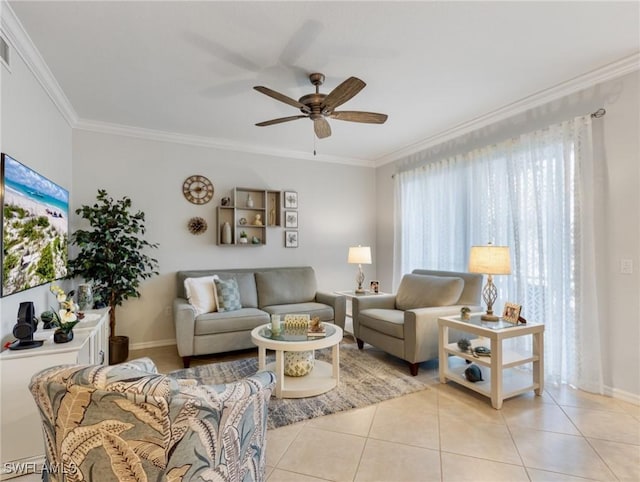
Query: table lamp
490	260
359	255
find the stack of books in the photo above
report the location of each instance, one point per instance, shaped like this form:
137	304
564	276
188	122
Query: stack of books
317	331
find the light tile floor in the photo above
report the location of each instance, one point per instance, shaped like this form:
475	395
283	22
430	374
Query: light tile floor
450	434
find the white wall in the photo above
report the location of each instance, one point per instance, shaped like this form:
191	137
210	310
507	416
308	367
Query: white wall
334	212
616	139
35	133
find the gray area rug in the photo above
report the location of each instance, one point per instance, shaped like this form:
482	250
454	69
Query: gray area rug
364	380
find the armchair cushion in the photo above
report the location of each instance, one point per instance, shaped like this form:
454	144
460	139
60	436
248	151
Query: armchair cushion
422	291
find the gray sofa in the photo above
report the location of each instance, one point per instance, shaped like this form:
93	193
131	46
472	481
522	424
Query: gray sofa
263	291
406	324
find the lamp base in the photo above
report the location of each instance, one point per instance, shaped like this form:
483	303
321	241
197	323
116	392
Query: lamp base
359	290
490	318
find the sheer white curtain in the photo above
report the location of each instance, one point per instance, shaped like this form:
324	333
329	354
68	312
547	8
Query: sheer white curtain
534	194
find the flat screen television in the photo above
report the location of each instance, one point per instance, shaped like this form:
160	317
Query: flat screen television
35	228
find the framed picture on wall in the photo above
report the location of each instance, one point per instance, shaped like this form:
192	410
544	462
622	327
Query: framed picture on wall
291	239
290	200
291	219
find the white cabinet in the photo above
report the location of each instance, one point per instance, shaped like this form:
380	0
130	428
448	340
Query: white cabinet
21	432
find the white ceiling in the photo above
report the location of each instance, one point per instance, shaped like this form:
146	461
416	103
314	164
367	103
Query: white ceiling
188	68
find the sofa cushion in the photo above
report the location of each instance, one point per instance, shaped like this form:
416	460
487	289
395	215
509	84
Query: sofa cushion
228	294
202	294
423	291
244	319
246	285
286	286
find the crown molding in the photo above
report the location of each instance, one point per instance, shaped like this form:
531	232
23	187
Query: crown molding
608	72
210	142
20	42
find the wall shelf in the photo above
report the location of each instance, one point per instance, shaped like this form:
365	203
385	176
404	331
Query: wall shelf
252	212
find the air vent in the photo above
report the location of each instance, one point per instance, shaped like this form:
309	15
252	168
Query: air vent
4	51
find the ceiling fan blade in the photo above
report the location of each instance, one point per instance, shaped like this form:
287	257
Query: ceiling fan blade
281	97
358	116
342	93
280	120
321	127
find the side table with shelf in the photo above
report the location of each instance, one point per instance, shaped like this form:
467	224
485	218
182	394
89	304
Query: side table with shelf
21	432
501	381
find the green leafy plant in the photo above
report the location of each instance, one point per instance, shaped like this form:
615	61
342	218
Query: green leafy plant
111	254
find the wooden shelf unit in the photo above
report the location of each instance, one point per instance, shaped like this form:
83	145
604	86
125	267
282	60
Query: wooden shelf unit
241	215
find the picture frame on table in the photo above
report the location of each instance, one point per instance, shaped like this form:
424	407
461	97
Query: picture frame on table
374	287
291	219
511	312
291	239
290	200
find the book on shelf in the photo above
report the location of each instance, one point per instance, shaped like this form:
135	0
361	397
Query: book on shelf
318	334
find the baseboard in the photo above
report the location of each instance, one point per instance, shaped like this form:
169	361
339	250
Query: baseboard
622	395
152	344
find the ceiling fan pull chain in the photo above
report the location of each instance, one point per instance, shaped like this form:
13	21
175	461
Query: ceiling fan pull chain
314	143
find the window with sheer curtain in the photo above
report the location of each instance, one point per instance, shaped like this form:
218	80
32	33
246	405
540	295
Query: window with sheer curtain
532	193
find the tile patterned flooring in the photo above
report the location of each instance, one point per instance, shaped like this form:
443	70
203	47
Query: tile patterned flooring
450	434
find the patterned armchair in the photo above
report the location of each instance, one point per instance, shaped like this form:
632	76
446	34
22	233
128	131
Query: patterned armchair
127	422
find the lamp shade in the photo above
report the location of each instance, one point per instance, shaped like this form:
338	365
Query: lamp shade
359	255
490	260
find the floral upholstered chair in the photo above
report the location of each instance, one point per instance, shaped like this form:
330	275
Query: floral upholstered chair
127	422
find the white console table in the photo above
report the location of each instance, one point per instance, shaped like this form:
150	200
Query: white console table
21	428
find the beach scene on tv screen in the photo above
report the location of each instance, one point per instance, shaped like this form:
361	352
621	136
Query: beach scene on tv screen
34	229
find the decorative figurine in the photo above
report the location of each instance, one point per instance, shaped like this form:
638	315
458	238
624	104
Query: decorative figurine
464	344
465	313
257	220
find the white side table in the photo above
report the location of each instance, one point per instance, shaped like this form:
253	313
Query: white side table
321	379
350	294
499	382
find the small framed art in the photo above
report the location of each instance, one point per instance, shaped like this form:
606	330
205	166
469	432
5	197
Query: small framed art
291	219
290	200
374	287
511	312
291	239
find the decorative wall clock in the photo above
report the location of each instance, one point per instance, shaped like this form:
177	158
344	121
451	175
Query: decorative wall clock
197	225
197	189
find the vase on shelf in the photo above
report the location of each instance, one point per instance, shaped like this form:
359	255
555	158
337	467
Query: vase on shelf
249	201
226	233
85	297
61	336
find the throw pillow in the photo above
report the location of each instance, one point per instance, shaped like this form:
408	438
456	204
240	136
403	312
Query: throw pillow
201	293
228	294
424	291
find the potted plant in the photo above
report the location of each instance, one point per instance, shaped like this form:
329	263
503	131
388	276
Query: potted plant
111	257
66	317
243	238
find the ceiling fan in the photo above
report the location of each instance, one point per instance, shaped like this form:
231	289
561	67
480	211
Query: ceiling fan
318	107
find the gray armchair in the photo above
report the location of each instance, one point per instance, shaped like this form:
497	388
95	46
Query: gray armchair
406	324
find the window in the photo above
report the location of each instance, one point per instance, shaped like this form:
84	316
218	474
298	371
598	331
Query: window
526	193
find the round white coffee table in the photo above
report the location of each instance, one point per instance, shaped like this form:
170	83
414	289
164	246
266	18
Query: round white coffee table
321	379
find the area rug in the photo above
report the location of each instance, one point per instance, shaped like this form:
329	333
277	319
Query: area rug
364	380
